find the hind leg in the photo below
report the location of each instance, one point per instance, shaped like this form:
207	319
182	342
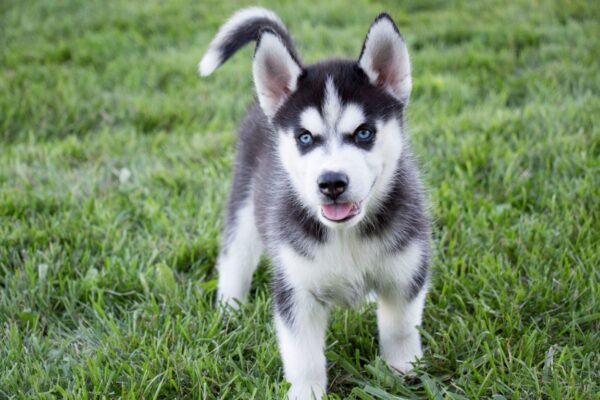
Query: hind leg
240	253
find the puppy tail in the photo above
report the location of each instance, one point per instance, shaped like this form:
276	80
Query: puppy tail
243	27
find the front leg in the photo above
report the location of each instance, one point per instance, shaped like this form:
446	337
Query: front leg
301	323
397	319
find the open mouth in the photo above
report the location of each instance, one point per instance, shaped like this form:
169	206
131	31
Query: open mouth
340	212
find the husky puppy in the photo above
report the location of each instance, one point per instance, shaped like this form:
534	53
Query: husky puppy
325	185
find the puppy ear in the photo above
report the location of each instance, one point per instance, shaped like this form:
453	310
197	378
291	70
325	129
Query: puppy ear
384	58
275	71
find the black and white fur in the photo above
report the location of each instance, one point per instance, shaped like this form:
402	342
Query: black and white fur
278	205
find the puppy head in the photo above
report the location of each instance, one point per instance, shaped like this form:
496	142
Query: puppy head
338	123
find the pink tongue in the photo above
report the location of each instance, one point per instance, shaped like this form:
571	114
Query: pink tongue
337	212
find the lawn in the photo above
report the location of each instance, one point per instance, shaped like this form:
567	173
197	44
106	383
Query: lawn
115	161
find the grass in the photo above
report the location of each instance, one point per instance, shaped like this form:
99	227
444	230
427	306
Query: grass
115	160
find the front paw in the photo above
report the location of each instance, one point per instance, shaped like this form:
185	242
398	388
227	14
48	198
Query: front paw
227	299
404	362
402	367
229	303
306	391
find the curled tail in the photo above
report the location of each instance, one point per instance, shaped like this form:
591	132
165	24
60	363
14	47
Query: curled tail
243	27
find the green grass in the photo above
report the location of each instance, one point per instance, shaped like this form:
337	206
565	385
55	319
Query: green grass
107	283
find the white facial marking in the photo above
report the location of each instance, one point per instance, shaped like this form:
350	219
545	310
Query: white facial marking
332	106
311	120
296	166
352	117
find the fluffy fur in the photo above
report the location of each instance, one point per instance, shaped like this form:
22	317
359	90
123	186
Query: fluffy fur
337	118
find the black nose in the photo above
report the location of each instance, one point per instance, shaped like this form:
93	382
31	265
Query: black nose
332	184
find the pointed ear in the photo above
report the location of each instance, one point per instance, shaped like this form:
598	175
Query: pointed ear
275	71
384	58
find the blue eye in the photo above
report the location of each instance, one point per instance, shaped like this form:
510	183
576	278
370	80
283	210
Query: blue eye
364	135
305	138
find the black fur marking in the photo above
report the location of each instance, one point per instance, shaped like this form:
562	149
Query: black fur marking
420	278
252	30
352	85
283	297
297	226
401	214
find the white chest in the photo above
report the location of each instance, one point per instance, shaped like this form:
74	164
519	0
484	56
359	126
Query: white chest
346	269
